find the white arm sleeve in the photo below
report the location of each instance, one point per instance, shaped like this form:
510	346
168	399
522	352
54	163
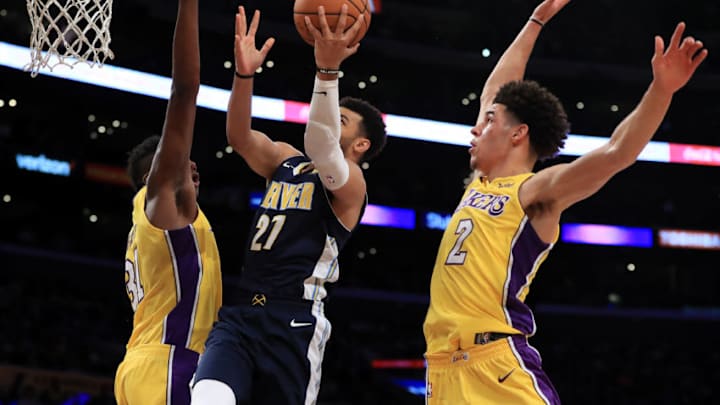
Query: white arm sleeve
322	135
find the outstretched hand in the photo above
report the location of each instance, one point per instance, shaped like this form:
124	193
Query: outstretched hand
333	47
546	10
247	57
672	68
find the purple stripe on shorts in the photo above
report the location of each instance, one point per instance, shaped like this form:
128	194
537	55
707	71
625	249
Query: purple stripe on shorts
187	273
525	251
530	359
182	367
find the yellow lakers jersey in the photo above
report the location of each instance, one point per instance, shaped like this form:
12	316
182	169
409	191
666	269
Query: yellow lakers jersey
488	256
173	281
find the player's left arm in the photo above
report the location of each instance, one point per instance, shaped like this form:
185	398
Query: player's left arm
563	185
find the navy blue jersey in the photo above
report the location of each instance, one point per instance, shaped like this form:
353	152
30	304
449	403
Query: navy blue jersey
295	239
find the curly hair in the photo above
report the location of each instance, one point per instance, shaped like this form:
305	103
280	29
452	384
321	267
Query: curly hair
372	124
140	159
541	110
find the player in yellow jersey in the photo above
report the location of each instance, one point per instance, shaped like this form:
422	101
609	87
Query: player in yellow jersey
477	326
172	266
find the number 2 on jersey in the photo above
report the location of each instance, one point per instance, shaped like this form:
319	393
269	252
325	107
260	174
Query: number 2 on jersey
264	222
463	230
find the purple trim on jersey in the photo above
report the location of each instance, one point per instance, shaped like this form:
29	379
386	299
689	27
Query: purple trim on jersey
532	364
179	321
525	252
183	363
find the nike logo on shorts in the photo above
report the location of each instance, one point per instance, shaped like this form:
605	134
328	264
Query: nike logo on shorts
324	93
505	377
294	324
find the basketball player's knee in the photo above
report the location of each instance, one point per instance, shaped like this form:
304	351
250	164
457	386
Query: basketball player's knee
212	392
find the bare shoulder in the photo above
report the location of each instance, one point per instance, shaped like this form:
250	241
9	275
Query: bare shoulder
539	201
537	190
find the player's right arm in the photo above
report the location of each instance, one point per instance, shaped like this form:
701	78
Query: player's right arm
339	174
260	152
171	202
513	61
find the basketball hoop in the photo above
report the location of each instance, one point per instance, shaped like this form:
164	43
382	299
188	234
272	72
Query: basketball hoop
68	32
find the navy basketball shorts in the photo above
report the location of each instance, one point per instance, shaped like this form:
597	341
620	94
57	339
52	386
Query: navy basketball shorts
268	351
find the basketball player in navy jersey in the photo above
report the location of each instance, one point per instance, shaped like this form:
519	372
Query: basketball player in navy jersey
172	266
477	326
267	347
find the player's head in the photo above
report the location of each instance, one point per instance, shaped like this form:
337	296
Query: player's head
535	106
139	161
363	128
522	114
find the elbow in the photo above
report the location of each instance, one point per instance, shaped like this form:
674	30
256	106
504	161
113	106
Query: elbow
320	139
618	159
236	142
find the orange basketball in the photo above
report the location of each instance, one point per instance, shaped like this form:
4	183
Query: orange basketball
309	8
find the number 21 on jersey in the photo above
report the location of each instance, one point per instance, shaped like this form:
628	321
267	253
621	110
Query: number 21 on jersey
133	286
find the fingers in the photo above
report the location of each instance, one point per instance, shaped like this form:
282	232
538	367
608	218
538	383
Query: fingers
699	58
659	46
688	46
340	28
240	21
339	34
355	28
324	27
353	49
266	47
313	30
675	39
254	24
693	48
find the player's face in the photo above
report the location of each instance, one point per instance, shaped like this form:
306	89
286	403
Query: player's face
491	138
349	127
195	176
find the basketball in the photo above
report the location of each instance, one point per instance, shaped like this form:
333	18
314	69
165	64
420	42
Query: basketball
309	8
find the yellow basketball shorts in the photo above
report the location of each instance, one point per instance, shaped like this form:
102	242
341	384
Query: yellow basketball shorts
155	375
506	371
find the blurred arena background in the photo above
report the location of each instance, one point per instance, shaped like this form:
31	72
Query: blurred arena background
629	320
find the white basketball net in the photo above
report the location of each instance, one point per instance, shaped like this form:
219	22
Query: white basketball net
67	32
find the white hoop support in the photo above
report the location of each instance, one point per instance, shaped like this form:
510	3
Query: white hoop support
68	32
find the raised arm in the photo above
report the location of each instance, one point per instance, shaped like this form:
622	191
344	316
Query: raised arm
260	152
339	173
562	185
171	199
513	61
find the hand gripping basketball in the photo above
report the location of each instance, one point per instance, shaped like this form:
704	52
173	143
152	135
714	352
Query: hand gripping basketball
333	9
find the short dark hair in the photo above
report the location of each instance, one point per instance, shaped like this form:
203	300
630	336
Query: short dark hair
140	159
536	106
372	124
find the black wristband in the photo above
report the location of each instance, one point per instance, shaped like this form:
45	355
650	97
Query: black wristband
328	71
538	22
244	76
